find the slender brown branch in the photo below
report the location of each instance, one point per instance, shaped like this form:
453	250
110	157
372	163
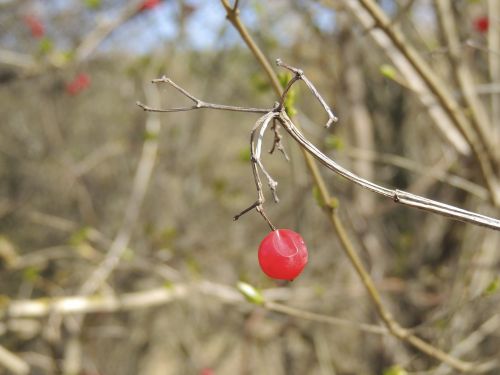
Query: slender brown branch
299	75
412	166
255	151
277	144
198	103
320	318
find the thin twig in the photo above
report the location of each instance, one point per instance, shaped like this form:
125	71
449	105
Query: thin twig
262	124
256	153
476	45
410	165
198	103
299	75
320	318
277	144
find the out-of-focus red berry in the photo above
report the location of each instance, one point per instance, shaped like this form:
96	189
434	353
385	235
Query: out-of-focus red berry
148	4
207	371
36	26
481	24
283	254
78	84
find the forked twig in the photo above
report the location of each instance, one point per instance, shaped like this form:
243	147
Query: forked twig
256	157
299	76
198	103
256	148
277	144
255	151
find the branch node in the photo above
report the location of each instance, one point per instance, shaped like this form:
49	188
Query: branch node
299	75
395	197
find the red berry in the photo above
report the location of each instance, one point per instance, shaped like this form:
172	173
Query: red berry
79	83
283	254
481	24
35	25
148	4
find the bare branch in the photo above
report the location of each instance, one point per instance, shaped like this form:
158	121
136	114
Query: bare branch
299	75
398	196
277	144
198	104
258	150
261	123
401	162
